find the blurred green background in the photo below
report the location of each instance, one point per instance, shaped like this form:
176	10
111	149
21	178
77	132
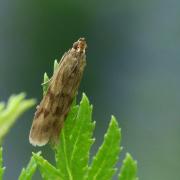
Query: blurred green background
133	72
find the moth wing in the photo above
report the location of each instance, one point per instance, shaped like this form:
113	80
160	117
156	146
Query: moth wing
62	58
65	69
41	129
45	125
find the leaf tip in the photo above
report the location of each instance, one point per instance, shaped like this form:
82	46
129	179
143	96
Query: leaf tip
115	123
84	99
55	64
46	77
113	119
129	158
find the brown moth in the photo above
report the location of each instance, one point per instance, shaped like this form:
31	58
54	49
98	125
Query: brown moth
52	110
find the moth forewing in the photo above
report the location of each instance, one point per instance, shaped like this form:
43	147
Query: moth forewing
52	110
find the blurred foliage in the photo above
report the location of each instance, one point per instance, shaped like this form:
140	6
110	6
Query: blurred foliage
1	165
16	106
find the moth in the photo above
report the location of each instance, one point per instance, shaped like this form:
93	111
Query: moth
55	105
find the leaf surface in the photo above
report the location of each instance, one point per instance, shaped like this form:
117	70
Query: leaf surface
103	163
27	173
48	171
128	169
75	141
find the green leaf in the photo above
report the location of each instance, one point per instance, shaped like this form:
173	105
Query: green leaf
128	169
26	174
2	105
46	79
56	64
102	166
72	154
45	83
62	150
17	105
1	164
48	171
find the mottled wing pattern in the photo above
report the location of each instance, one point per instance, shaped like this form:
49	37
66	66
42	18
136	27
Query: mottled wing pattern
55	105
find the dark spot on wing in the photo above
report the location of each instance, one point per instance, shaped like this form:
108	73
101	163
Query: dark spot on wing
51	95
58	111
64	94
46	128
46	112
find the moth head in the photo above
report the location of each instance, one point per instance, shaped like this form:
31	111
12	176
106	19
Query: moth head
80	45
